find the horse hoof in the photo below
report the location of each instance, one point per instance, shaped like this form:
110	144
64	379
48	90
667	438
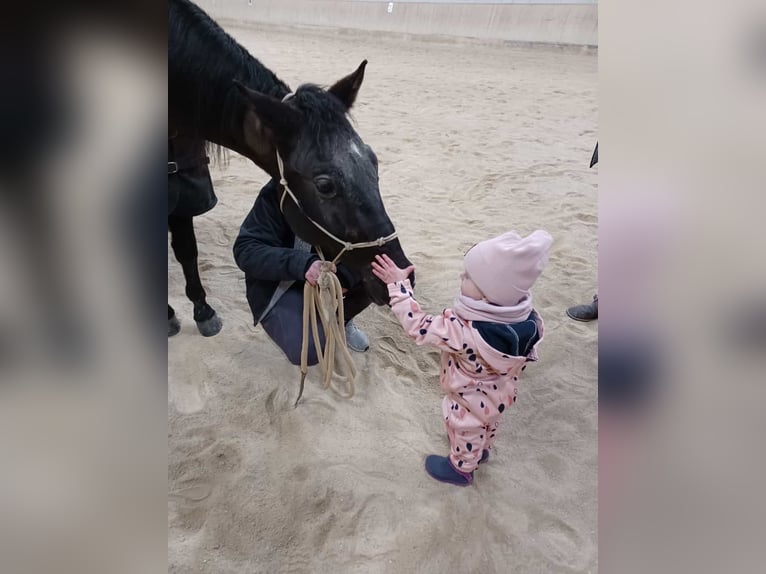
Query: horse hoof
210	327
174	326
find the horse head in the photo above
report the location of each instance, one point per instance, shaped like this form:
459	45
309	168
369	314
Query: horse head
333	198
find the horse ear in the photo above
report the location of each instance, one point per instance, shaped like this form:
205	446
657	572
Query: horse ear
270	119
347	88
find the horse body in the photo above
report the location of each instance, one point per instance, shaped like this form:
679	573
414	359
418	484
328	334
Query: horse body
219	93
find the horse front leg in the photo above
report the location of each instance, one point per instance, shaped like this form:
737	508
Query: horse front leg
184	245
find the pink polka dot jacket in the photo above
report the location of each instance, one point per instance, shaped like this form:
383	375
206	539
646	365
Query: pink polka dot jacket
481	363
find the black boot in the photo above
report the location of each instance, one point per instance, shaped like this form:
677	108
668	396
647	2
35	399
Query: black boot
584	312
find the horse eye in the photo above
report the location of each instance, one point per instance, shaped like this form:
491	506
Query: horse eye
325	186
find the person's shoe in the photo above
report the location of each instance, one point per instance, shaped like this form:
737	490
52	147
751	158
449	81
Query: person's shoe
584	312
484	456
356	339
440	468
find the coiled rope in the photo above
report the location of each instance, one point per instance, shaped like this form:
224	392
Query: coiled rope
326	299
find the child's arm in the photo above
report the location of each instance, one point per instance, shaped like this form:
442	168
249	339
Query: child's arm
444	331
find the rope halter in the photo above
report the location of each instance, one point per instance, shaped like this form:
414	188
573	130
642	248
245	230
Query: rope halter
346	245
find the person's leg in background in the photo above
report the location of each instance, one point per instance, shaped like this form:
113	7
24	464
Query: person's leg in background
585	313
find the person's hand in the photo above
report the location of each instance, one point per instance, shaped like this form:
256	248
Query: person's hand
387	271
312	273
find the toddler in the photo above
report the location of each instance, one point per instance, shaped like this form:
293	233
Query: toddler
486	338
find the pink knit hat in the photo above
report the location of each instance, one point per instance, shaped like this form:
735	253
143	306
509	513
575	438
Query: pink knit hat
505	267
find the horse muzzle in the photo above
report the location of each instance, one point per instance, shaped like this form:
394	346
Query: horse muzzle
375	288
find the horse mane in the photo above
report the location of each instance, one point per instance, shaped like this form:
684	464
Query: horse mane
205	62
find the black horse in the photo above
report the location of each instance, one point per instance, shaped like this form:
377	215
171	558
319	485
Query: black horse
218	93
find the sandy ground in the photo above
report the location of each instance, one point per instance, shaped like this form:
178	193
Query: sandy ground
473	140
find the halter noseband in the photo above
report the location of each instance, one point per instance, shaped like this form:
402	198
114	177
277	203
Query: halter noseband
347	246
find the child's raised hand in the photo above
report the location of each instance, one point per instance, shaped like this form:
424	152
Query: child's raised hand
387	271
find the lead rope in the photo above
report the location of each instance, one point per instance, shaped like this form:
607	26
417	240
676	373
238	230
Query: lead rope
326	297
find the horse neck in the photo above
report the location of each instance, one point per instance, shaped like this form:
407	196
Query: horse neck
203	62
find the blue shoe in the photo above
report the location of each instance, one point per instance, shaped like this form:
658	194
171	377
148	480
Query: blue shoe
440	468
356	340
484	456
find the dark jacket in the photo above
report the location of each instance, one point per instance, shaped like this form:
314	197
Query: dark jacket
264	251
512	339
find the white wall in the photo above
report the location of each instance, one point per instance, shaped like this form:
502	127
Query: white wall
550	22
